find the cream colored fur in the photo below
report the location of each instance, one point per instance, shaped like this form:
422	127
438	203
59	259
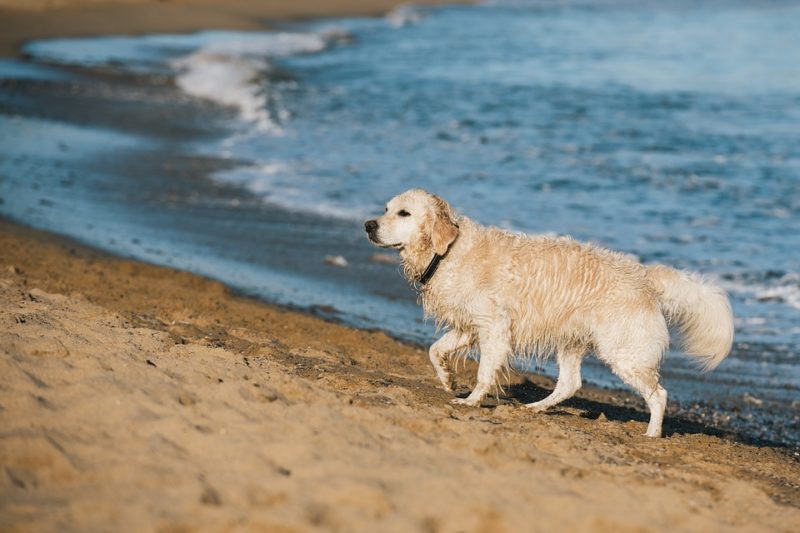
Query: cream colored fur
505	294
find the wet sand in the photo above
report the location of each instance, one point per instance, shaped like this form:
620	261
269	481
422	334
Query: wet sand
139	397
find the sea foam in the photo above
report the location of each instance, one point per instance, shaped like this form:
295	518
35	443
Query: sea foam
231	72
784	289
285	184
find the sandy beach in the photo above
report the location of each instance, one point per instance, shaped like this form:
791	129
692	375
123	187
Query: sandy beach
136	397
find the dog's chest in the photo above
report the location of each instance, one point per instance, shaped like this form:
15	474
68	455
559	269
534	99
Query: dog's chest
451	305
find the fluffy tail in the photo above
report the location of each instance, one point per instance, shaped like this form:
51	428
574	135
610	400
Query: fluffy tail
700	310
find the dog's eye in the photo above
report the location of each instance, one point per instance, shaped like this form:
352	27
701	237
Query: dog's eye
404	213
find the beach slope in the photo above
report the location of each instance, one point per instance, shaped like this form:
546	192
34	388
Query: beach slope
137	397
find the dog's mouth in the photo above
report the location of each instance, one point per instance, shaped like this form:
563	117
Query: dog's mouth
374	240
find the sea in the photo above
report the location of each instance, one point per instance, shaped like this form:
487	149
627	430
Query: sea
669	130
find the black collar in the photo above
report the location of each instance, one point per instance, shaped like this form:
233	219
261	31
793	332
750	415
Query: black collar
431	270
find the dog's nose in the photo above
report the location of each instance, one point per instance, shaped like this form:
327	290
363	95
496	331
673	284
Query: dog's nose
370	226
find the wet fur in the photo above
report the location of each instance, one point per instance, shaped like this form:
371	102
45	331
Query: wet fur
503	294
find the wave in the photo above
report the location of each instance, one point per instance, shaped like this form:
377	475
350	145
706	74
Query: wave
226	67
281	184
783	288
232	72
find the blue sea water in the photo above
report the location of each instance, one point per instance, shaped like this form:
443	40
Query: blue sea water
668	130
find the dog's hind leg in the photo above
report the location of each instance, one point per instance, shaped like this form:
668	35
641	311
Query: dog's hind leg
569	379
656	400
645	382
441	351
635	356
495	346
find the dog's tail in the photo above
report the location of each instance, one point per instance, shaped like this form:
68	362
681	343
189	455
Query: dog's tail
700	310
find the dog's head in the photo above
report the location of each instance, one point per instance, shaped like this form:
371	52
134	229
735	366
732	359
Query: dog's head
415	221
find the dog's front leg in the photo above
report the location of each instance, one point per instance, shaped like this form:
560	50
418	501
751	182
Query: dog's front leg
442	350
495	346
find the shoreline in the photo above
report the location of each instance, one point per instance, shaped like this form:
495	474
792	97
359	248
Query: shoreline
22	21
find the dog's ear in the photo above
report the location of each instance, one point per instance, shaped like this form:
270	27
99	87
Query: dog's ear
445	229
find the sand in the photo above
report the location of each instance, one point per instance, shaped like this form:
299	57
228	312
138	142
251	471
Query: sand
134	397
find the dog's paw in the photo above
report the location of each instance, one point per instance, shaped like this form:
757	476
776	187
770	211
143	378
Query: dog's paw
464	401
536	407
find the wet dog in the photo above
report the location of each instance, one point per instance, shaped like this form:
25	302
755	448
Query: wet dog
504	294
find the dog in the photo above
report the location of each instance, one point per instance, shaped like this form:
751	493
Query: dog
502	294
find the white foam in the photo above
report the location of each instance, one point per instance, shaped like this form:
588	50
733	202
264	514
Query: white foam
280	183
785	289
231	72
229	81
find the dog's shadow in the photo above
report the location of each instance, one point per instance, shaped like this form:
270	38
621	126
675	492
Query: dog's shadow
527	392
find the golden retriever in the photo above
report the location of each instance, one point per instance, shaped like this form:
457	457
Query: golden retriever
506	293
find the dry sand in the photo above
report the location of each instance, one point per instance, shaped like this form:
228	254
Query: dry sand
135	397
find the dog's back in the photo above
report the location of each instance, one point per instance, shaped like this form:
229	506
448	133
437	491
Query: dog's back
557	291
